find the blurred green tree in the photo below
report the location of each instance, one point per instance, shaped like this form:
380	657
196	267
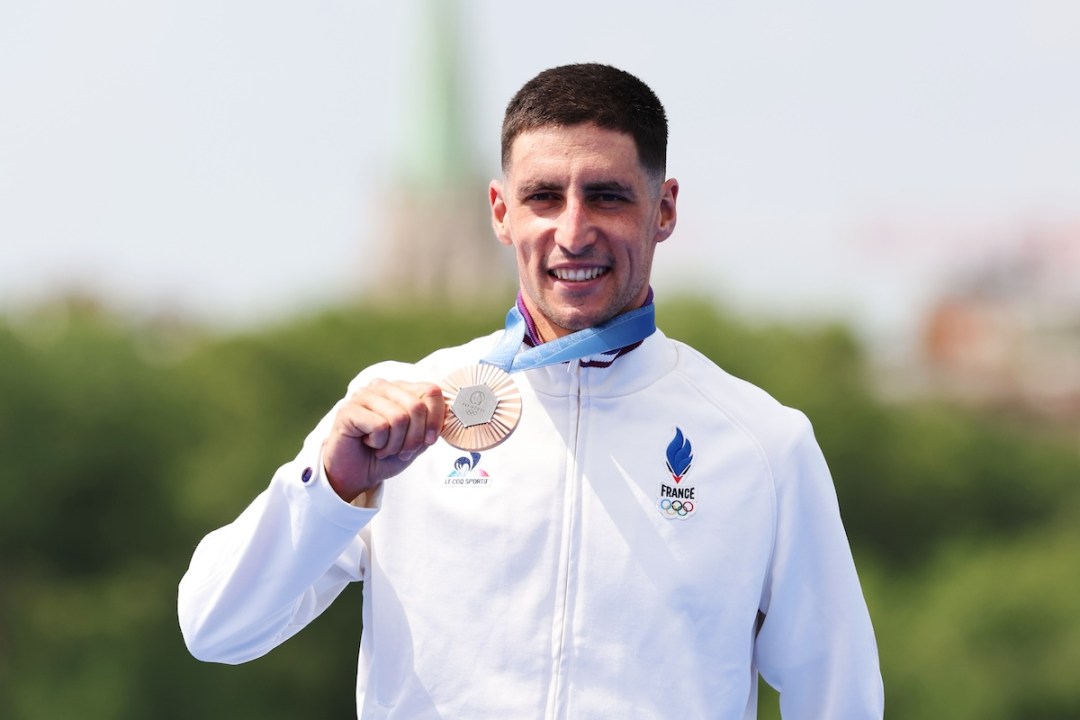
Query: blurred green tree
124	443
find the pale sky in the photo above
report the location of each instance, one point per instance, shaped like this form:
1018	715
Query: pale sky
225	159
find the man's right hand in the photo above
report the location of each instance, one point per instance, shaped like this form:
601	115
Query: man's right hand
378	432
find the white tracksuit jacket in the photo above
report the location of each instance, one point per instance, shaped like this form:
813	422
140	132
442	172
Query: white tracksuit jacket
566	573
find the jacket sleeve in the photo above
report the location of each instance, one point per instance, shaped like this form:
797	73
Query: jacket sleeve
816	644
256	582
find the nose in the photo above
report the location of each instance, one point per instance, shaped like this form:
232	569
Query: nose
576	231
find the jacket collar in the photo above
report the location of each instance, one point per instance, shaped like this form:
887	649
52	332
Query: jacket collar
602	376
532	336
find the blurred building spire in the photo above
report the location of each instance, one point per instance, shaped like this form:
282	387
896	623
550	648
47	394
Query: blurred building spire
437	244
437	151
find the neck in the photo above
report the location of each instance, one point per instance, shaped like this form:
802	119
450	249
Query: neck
533	337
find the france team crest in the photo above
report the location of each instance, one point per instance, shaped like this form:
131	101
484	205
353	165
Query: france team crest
677	500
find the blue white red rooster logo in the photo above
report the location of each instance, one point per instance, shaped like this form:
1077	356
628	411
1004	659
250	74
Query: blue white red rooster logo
464	465
467	471
680	456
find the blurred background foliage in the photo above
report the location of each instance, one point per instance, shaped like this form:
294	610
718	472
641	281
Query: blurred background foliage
124	442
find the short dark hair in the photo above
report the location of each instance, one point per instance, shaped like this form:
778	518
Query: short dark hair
605	96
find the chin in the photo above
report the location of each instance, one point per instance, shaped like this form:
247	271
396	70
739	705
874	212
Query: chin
583	320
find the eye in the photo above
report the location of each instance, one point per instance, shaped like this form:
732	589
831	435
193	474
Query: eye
542	200
543	196
609	199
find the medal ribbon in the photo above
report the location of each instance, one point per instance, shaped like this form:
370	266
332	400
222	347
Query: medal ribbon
620	331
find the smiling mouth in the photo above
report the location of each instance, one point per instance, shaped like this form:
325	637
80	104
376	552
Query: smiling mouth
577	274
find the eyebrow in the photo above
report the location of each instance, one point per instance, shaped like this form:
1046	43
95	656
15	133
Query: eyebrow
600	186
607	186
537	186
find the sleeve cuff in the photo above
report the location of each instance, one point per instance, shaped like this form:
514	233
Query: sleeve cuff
310	479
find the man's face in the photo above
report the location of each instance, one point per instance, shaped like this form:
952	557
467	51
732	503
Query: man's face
584	219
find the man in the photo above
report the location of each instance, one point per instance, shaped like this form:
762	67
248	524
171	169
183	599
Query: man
624	530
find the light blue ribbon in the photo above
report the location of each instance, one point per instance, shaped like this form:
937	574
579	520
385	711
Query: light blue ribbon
618	332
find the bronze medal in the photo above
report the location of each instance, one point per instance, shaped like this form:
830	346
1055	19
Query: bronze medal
483	407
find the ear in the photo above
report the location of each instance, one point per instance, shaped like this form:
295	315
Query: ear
667	215
499	221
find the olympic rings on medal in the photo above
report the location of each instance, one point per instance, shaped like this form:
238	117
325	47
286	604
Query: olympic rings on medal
676	508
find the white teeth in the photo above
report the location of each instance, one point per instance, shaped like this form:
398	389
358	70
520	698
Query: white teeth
578	274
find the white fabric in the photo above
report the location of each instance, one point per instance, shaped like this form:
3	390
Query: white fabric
544	581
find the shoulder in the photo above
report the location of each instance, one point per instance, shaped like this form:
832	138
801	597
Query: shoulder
775	427
431	368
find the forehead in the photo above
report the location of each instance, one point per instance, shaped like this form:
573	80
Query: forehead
576	150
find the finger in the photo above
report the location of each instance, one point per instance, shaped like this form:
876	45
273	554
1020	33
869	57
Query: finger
407	408
426	413
368	414
388	421
431	396
364	418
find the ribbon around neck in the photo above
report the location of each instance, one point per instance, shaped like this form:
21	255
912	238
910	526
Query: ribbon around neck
620	331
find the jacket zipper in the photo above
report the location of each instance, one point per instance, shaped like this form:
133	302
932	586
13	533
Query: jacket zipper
561	632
